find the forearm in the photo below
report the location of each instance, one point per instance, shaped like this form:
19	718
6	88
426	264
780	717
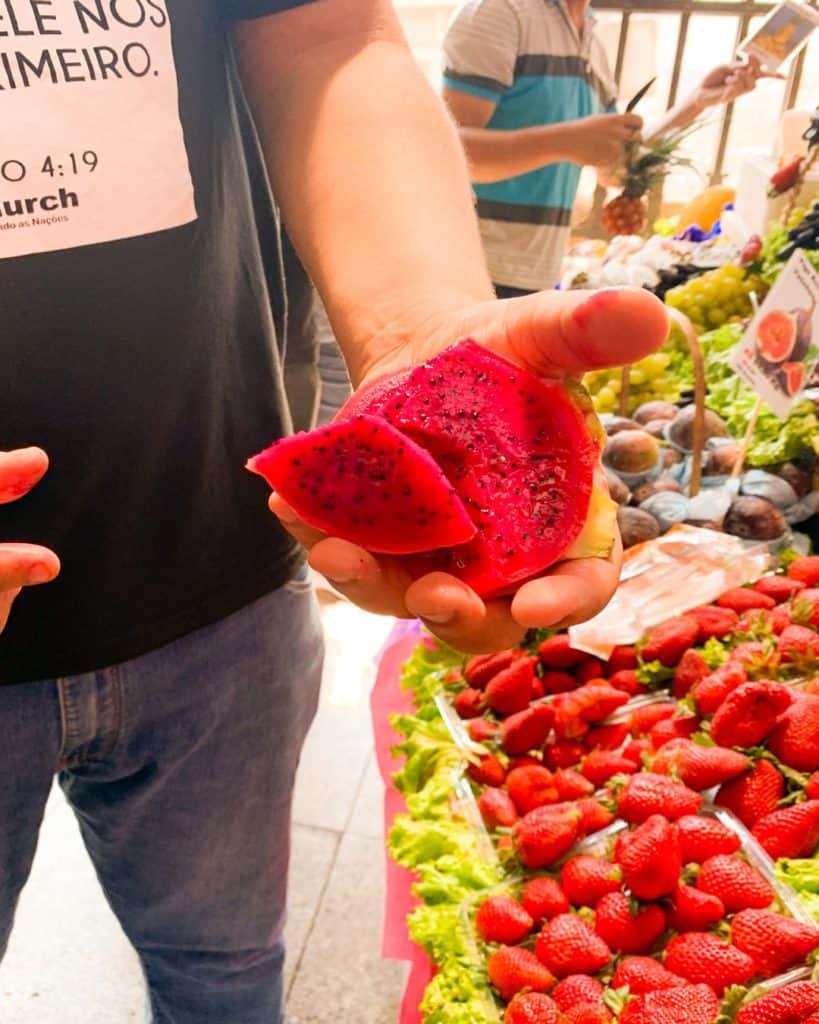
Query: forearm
679	116
496	155
383	219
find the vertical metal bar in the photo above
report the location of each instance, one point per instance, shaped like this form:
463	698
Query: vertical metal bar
682	37
621	46
728	113
794	80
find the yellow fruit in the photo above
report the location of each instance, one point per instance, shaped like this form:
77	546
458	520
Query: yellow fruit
706	208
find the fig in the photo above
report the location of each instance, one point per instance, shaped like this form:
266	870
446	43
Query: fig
792	377
776	335
636	526
656	410
681	429
720	461
615	424
646	490
631	451
765	485
798	478
618	490
656	428
754	518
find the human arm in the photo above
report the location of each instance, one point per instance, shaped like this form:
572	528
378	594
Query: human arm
384	222
22	565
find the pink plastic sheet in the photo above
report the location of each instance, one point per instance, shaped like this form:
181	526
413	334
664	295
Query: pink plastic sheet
386	699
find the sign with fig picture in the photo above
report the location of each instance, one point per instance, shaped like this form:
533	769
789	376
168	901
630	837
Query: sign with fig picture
779	349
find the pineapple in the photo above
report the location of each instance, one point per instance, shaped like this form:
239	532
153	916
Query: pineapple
645	167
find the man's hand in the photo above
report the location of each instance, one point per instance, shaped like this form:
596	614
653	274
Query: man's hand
600	140
551	334
22	565
728	82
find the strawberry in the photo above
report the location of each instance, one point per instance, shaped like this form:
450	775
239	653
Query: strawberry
626	928
757	621
642	720
563	754
568	708
480	669
523	761
780	588
780	618
635	750
599	766
753	795
558	682
713	621
676	727
693	910
586	1013
607	737
807	603
775	942
531	786
468	703
481	729
567	945
526	730
622	657
502	919
711	691
586	880
651	858
598	700
791	831
487	771
755	656
736	883
626	679
647	794
785	177
543	899
701	838
571	785
594	815
704	958
749	713
546	833
511	689
813	1019
742	599
698	766
688	1004
790	1004
668	642
812	787
496	808
538	691
691	669
589	668
531	1008
578	990
512	968
556	652
795	740
798	642
805	569
643	974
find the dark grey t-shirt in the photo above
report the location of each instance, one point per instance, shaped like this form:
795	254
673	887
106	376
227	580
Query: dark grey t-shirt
137	343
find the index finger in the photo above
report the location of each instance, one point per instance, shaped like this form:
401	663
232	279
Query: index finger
19	472
25	565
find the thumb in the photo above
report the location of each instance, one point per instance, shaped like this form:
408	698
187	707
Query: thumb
572	332
19	471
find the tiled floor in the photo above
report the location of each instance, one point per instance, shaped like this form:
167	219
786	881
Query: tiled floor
69	963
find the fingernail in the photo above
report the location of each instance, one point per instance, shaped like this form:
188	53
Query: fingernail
437	618
39	573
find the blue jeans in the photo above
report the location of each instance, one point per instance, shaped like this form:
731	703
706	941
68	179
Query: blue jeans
179	766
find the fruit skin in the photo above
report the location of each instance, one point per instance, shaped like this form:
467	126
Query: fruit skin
487	771
637	751
698	766
713	621
780	588
704	958
701	838
526	730
691	670
571	785
481	729
749	713
497	808
790	831
510	690
531	786
594	815
503	919
736	883
711	691
651	858
531	1008
753	795
643	974
586	880
601	765
798	641
785	177
562	754
674	728
578	990
788	1005
468	703
607	737
647	794
512	968
589	668
586	1014
775	942
812	787
693	910
688	1004
567	945
482	667
668	642
546	833
805	569
555	652
776	336
624	215
626	929
644	719
623	657
741	599
558	682
626	679
544	899
795	740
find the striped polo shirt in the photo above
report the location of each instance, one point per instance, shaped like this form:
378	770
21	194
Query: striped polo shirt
529	59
